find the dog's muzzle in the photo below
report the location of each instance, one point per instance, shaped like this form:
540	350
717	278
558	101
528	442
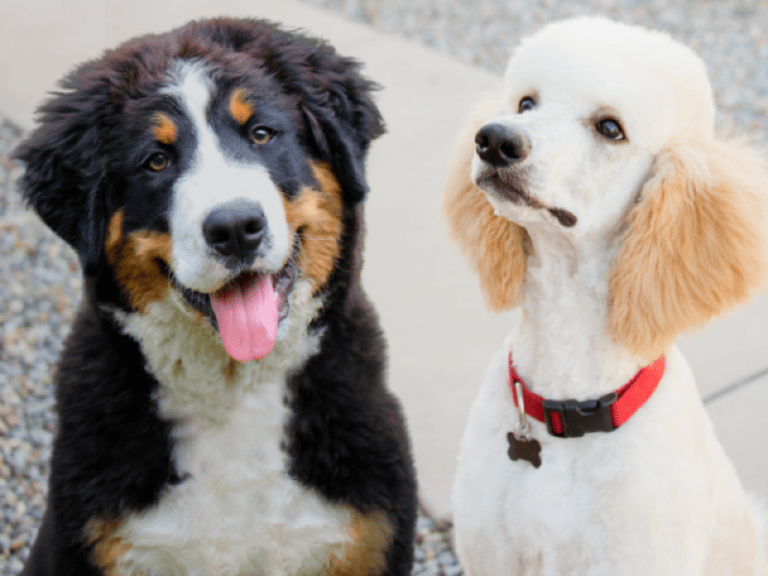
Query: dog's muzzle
503	149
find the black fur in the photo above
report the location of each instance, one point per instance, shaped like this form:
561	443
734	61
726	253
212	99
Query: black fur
112	452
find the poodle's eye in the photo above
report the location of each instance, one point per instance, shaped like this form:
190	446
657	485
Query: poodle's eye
611	129
261	134
526	104
157	162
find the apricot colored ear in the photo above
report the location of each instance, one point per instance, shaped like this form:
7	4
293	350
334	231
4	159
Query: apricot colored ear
492	244
694	245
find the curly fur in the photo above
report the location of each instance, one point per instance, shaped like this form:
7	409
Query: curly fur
493	245
620	221
694	246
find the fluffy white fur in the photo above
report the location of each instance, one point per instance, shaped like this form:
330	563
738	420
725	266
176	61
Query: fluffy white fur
271	522
658	496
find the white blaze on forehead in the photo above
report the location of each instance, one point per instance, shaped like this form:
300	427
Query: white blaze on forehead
213	179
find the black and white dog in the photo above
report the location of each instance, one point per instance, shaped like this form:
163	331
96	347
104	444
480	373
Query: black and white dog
221	398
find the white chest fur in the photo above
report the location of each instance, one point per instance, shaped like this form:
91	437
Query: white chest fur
657	496
237	512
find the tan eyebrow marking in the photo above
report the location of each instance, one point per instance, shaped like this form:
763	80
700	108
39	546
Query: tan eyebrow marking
239	107
164	129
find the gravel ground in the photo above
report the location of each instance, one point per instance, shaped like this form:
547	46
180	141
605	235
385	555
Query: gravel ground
40	288
39	275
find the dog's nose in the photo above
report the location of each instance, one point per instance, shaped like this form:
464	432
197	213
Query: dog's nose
236	228
501	145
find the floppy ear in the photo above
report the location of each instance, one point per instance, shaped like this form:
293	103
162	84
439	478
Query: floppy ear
340	150
493	244
341	116
64	174
694	246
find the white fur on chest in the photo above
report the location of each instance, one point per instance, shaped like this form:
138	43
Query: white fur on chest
236	512
648	498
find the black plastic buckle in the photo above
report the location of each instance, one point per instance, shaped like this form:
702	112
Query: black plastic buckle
578	418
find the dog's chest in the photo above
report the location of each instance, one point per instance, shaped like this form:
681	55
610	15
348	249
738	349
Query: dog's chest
236	511
510	515
605	503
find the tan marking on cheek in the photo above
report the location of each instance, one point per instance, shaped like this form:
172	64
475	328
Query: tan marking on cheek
164	129
365	553
316	214
107	549
239	107
134	261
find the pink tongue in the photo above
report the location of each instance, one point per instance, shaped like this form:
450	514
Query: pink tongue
247	311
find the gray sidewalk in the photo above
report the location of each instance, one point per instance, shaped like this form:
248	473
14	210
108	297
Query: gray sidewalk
439	333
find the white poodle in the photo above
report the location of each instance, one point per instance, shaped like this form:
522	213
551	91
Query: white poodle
594	195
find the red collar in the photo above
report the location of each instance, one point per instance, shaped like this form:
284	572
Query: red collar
570	419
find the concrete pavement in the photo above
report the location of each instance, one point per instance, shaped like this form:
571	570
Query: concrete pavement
439	333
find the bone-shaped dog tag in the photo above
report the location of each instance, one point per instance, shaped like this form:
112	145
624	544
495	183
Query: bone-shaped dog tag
523	447
527	449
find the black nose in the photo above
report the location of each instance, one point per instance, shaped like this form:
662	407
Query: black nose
501	145
235	228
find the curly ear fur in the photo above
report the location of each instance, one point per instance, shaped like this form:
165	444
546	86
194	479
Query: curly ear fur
694	245
493	244
64	174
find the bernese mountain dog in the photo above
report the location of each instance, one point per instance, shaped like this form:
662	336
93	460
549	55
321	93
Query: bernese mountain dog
221	399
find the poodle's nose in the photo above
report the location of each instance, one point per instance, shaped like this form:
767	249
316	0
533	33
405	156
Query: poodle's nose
501	145
235	228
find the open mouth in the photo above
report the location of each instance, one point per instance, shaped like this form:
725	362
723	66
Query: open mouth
247	310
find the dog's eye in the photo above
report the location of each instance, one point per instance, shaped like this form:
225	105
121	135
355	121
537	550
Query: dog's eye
157	162
261	134
526	104
611	129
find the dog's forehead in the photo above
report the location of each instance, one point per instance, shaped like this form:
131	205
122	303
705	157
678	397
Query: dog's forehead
649	78
198	86
191	84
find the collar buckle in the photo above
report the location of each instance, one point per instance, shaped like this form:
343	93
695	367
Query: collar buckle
573	419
